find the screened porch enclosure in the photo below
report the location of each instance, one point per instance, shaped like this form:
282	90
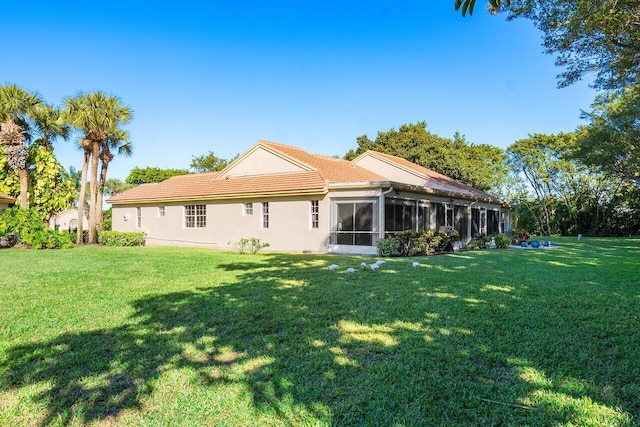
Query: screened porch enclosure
362	222
355	224
421	215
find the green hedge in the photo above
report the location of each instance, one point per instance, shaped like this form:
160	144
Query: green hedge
120	238
414	243
32	230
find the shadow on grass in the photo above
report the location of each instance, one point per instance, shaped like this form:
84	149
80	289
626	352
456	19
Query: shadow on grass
399	346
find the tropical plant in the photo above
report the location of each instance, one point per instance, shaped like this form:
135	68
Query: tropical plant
32	230
48	125
252	245
118	143
16	104
99	117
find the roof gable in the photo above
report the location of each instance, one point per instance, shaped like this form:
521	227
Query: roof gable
263	159
402	170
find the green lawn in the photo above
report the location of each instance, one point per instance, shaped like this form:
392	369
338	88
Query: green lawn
170	336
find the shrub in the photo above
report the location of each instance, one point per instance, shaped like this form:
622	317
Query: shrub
27	223
418	243
252	245
120	238
479	241
387	247
523	235
502	241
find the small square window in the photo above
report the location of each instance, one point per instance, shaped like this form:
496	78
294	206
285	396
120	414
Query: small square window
160	211
248	209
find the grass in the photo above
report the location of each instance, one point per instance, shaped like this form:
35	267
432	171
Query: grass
175	336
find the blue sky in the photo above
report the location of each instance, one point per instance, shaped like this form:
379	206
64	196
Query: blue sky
218	76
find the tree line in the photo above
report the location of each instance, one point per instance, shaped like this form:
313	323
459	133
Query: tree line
28	129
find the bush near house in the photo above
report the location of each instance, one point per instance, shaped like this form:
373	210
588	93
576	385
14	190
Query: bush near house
414	243
251	245
33	232
480	242
120	238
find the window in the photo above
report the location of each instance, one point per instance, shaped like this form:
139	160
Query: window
483	221
400	215
355	224
160	211
195	216
265	215
138	217
247	209
315	214
448	219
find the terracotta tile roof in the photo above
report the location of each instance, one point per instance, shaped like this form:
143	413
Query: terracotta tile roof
204	186
434	179
6	199
333	169
322	173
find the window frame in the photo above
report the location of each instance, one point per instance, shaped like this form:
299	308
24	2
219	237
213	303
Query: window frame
138	217
161	211
247	209
315	214
265	215
195	216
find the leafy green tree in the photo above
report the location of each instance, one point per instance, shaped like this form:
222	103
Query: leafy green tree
589	37
99	117
51	188
16	104
115	186
208	163
611	140
600	37
468	5
147	175
480	166
560	195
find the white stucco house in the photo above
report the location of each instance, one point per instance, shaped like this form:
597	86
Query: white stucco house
6	201
67	221
298	201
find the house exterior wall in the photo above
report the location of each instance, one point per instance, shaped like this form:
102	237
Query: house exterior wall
63	220
289	224
260	162
393	173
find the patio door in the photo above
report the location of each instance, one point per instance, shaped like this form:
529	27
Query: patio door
355	224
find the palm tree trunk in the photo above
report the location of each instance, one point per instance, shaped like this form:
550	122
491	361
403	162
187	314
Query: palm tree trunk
81	198
93	187
24	189
103	177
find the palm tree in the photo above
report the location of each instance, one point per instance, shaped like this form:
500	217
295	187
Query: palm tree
118	142
48	124
99	117
16	104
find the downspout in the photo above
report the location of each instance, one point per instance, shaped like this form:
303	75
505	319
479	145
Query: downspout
381	213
